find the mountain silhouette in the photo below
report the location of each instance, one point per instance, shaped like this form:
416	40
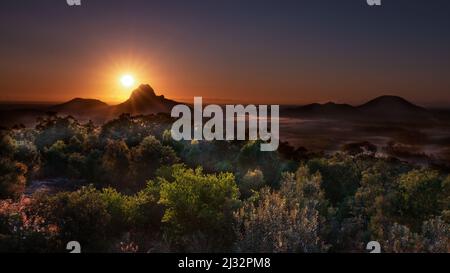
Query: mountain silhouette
327	110
143	100
79	106
393	107
384	108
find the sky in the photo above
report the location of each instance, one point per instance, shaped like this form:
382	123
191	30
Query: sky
249	51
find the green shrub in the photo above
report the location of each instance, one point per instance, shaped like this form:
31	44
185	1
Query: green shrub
12	178
80	216
198	204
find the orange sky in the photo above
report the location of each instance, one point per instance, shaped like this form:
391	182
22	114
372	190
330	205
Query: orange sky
281	53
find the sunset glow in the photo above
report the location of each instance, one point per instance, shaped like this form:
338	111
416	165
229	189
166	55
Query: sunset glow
183	52
127	80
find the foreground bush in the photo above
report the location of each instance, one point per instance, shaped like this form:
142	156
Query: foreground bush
289	220
198	208
79	216
12	178
272	225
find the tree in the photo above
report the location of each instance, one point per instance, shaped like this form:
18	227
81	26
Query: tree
251	157
340	177
357	148
134	129
436	236
54	128
22	230
7	145
27	153
251	182
420	194
12	173
116	163
376	201
80	216
56	159
12	178
147	157
274	225
199	205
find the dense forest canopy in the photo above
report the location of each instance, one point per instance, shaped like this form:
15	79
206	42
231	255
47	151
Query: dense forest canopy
127	186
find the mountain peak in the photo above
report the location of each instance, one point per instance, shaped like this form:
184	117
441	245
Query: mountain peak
384	108
144	90
144	100
388	101
394	107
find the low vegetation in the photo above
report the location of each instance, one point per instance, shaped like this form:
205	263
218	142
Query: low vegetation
137	190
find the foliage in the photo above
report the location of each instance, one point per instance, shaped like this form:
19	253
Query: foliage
276	225
150	193
198	204
12	178
252	181
115	164
80	216
149	156
420	192
341	177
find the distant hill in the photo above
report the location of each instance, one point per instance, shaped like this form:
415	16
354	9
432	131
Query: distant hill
79	106
328	110
143	100
393	107
384	108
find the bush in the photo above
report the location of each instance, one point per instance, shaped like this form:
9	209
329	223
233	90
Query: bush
251	182
116	164
21	230
199	205
436	236
420	192
341	177
79	216
12	178
273	225
400	239
12	173
147	157
251	157
52	129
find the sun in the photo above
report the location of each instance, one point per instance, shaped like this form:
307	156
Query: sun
127	80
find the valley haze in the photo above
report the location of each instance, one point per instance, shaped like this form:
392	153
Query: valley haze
391	123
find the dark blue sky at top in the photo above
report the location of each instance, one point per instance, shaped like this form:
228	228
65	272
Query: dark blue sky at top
301	51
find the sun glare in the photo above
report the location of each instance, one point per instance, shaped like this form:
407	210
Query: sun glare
127	80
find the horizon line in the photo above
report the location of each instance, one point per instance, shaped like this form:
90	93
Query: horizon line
220	101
